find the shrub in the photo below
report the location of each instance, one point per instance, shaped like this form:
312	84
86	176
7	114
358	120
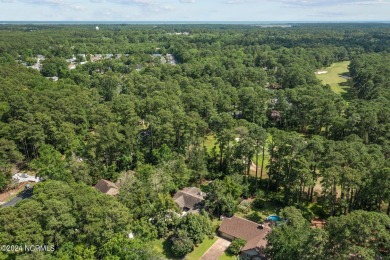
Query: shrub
182	245
255	217
195	226
236	245
258	203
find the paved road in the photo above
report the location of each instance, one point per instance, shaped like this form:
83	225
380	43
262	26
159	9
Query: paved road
23	195
216	250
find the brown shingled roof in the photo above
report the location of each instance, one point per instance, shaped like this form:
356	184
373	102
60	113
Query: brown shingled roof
245	229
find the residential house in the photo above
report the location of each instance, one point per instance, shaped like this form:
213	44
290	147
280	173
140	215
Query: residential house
253	233
189	199
107	187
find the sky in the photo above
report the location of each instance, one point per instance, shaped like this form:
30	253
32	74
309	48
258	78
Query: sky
195	10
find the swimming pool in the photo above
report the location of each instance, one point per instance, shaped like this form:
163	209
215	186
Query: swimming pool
274	218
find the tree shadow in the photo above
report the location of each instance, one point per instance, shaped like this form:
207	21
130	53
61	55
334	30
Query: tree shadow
344	75
167	252
254	216
349	93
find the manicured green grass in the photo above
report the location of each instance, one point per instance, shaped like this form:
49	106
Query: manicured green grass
201	249
337	83
162	246
227	257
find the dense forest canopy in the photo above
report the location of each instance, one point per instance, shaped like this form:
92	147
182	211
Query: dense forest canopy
171	106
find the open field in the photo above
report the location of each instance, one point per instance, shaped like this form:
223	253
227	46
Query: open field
333	77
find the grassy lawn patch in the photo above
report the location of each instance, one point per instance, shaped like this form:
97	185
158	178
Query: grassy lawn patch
201	249
266	162
163	246
210	143
227	257
338	84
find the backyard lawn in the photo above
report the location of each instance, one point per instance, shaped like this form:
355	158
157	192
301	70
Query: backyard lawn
162	246
332	77
259	215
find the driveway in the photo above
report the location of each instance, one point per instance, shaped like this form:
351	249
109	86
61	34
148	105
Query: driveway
216	250
23	195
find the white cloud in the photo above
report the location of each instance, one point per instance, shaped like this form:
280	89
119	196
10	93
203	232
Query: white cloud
126	2
187	1
45	2
332	2
312	2
133	2
243	1
77	7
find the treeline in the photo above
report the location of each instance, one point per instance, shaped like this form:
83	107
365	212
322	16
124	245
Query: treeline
251	89
360	234
75	221
106	117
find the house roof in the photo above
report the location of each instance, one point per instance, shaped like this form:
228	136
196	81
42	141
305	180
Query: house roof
257	242
107	187
188	197
245	229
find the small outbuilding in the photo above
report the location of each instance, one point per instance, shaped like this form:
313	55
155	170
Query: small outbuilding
107	187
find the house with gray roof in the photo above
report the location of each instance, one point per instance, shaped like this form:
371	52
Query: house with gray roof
189	199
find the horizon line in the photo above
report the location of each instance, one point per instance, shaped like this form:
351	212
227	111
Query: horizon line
196	21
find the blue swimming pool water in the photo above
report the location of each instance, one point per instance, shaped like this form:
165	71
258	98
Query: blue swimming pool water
274	218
